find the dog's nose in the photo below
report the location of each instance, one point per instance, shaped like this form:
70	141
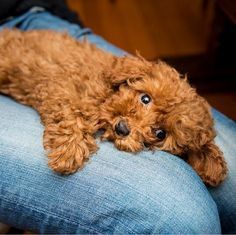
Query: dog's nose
121	128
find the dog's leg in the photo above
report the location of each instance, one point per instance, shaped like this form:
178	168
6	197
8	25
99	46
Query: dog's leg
69	145
68	138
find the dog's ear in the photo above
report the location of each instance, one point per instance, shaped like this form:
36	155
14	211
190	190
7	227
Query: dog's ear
127	69
209	163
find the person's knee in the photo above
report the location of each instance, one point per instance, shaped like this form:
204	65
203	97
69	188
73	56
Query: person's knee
137	212
164	196
153	208
189	216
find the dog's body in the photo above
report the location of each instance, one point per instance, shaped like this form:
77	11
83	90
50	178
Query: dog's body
78	89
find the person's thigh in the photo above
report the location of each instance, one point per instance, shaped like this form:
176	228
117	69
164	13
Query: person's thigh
116	192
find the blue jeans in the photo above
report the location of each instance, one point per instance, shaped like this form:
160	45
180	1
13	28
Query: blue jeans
117	192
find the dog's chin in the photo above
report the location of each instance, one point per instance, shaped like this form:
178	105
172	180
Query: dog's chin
127	144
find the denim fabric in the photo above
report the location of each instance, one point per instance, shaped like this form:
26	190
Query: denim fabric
116	192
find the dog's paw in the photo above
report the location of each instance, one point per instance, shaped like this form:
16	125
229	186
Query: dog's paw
67	150
64	163
69	157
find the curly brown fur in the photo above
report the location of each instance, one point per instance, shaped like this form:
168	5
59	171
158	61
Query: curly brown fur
78	89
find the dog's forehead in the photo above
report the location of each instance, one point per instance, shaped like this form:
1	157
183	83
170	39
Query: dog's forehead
162	69
165	95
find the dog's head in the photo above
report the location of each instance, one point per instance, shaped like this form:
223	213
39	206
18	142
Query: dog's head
154	106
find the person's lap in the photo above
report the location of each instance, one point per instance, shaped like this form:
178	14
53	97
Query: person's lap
116	191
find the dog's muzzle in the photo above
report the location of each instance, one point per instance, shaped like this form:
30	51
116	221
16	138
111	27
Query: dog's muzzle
122	128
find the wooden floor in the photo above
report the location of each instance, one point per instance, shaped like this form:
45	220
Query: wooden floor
157	29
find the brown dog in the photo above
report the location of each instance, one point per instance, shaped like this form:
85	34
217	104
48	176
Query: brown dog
78	89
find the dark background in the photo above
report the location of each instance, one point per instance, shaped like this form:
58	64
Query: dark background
197	37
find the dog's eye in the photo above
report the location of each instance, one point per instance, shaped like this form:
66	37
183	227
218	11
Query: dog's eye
145	99
160	134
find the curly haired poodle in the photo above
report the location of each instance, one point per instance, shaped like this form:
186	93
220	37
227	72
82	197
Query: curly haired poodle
78	89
